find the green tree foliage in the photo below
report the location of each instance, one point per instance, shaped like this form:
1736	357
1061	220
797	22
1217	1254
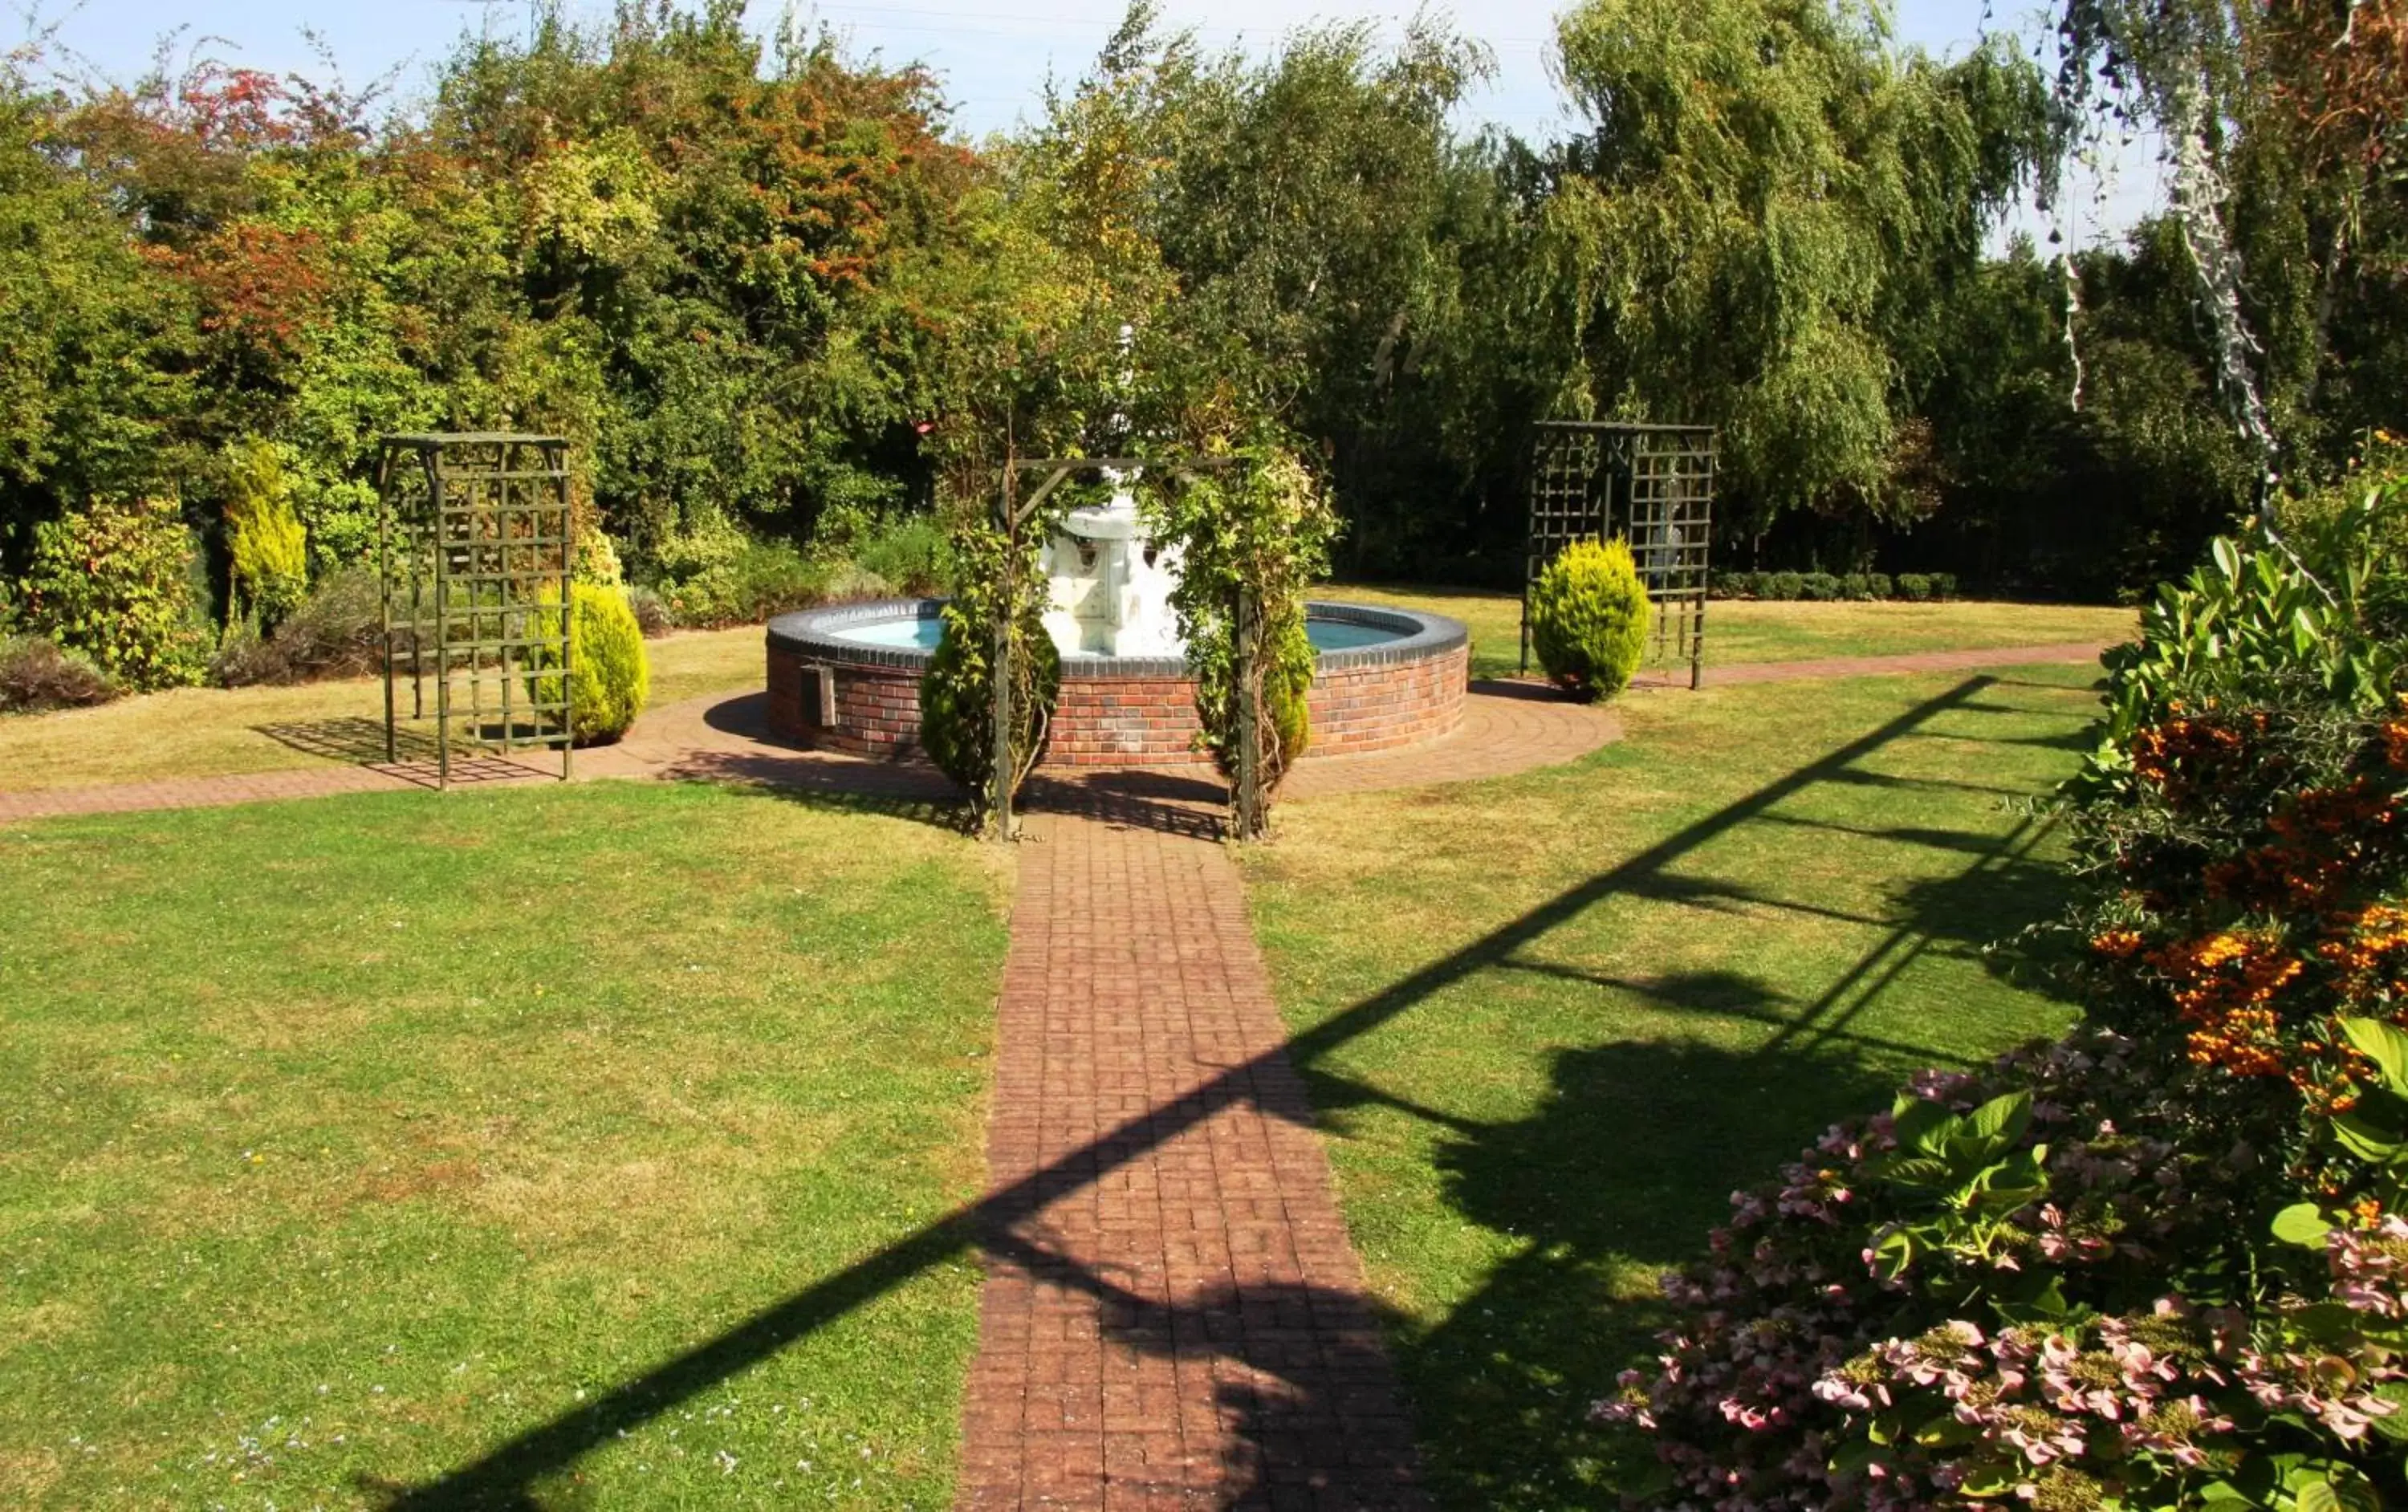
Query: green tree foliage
1589	618
957	692
1262	529
1767	201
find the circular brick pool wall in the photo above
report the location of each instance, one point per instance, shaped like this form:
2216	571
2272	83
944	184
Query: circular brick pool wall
837	694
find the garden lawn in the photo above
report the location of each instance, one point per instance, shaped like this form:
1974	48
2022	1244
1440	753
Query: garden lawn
1745	630
347	1139
1552	1021
211	732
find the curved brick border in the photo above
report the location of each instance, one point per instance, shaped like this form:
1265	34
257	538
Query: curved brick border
1116	710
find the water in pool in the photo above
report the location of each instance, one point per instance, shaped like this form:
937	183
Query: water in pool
923	634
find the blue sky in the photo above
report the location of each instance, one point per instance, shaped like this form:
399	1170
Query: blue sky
993	54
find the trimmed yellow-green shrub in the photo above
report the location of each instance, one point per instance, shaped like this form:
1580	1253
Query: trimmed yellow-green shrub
1286	683
1589	618
268	550
611	675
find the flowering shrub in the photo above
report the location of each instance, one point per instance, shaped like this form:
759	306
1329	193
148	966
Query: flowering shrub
2159	1262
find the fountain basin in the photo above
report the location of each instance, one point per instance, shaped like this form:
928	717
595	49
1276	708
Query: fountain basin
847	678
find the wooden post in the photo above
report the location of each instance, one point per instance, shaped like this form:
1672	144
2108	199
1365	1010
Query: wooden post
1000	805
1247	692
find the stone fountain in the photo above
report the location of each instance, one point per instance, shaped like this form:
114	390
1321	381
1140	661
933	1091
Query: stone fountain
1111	584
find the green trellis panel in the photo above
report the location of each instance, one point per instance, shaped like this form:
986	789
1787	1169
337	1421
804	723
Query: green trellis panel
477	548
1655	485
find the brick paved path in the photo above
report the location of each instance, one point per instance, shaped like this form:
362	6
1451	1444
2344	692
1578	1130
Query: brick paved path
1172	1316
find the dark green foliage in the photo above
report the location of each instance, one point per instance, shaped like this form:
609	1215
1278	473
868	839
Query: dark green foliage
36	675
1944	585
1818	586
1878	585
117	582
1913	587
1589	618
1782	585
1855	585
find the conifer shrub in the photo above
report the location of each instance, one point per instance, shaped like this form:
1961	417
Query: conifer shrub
609	673
267	551
1589	618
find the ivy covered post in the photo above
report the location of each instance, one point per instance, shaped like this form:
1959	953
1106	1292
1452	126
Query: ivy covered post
1252	537
1249	799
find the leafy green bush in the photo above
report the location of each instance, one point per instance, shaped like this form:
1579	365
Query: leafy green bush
1589	618
1723	584
1878	585
1818	586
36	675
713	573
910	553
268	549
1260	531
957	692
597	561
1857	585
117	582
1782	586
1913	587
611	675
2161	1263
1944	585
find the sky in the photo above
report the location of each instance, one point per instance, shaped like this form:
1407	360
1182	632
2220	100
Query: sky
992	55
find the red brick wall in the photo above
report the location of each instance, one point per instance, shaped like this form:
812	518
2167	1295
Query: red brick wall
1136	721
1381	707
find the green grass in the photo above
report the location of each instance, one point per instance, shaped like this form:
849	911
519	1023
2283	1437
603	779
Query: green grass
1552	1021
342	1141
1740	630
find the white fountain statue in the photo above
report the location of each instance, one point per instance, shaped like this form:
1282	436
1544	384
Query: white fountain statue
1111	583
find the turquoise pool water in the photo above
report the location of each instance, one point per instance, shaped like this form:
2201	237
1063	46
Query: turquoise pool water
923	634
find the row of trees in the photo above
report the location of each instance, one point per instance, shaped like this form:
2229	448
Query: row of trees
763	284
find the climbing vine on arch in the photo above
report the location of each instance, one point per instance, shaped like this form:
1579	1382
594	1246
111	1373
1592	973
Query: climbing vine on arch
1252	537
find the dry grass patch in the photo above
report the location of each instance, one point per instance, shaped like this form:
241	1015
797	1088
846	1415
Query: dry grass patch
1740	631
215	732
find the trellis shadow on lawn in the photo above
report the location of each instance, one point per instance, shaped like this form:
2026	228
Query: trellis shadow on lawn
1496	1175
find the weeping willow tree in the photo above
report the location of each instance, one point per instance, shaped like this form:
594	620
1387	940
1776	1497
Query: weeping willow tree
1767	198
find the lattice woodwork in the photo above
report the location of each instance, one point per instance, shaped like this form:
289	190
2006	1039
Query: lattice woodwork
1652	484
478	551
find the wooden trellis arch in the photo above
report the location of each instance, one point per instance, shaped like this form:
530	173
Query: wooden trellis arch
1653	484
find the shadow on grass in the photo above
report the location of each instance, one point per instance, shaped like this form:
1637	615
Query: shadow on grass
1504	1381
